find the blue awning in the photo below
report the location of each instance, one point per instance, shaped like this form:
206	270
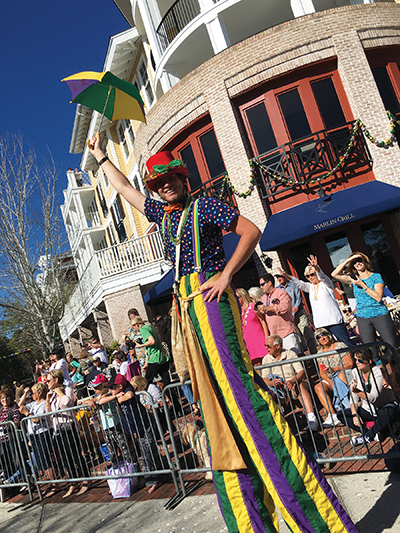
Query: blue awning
337	209
163	287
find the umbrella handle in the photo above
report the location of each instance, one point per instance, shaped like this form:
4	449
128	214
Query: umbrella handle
105	106
102	116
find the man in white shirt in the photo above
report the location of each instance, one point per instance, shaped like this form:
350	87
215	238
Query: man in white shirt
98	349
288	378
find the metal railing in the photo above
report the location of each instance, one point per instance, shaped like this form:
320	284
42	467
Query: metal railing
74	446
328	445
176	18
216	188
297	165
131	254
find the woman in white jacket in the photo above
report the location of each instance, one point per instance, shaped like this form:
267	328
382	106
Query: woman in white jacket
325	309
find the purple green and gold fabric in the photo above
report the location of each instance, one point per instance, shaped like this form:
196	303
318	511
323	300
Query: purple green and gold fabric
106	93
279	474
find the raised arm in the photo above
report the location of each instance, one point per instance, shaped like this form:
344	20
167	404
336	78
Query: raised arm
343	278
302	285
116	178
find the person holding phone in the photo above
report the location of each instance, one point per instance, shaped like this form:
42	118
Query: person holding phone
372	314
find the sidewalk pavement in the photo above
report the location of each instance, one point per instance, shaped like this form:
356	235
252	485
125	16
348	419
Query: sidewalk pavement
371	499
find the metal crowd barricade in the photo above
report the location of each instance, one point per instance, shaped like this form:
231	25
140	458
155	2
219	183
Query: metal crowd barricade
188	440
13	464
73	446
328	445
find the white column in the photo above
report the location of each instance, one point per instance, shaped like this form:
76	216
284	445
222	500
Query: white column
302	7
218	35
151	18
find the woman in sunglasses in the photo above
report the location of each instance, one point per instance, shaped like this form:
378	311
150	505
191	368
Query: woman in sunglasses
372	314
371	401
324	307
332	389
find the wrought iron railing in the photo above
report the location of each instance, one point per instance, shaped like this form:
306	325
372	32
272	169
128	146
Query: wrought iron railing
176	18
216	188
298	165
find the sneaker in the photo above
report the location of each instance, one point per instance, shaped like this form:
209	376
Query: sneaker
330	420
313	425
358	440
376	438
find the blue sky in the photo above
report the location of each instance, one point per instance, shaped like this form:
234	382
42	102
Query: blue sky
41	42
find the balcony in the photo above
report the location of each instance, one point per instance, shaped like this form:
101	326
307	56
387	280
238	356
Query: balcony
216	188
130	255
82	179
93	219
176	18
298	166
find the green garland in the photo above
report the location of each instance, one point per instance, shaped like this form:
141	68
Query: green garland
341	161
393	121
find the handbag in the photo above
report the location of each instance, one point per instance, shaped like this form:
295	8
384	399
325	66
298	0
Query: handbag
123	487
133	370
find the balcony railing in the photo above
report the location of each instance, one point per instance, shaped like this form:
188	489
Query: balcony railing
82	179
297	165
130	255
216	188
93	219
176	18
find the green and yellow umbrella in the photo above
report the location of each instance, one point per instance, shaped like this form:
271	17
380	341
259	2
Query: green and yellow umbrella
109	95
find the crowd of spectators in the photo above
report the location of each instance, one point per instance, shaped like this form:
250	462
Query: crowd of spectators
355	387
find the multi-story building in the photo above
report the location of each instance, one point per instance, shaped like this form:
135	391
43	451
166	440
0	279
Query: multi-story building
117	253
281	83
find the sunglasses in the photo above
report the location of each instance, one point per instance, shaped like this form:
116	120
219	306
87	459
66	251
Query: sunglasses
321	335
262	284
268	346
361	361
310	275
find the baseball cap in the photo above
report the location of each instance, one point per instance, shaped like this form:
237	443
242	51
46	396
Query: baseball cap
119	380
100	379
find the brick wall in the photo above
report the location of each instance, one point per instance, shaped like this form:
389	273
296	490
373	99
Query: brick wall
343	32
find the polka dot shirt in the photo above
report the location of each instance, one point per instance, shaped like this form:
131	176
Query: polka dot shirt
214	216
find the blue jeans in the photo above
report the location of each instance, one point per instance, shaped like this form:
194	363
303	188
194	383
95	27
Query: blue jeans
340	332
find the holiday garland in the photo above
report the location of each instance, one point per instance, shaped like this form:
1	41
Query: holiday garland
358	124
17	353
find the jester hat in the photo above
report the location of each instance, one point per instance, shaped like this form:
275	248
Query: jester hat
161	165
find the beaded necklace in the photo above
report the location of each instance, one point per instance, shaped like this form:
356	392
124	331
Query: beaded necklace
366	385
176	240
316	290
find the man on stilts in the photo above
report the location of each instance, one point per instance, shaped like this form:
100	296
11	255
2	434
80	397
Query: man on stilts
258	465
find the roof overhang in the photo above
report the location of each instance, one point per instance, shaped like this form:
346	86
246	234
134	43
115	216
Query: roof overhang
120	57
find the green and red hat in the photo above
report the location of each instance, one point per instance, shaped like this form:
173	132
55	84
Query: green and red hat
161	165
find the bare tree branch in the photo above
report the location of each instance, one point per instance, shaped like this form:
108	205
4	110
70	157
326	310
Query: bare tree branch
34	284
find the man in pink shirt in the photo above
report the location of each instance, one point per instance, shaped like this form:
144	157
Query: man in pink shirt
277	307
